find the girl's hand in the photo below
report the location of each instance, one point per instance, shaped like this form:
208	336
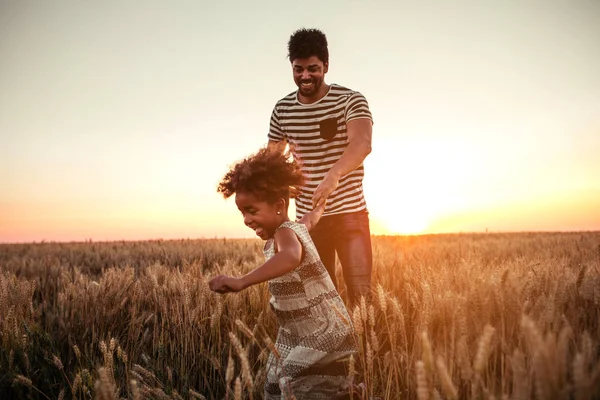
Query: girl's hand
225	284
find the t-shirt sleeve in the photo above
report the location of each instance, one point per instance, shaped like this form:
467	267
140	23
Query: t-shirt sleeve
275	131
357	107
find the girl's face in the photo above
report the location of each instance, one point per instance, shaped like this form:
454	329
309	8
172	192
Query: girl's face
260	215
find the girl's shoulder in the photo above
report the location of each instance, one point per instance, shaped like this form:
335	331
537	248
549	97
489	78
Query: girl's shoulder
270	246
298	228
292	225
301	232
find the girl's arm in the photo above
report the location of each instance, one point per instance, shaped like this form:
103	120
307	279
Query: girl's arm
310	219
287	258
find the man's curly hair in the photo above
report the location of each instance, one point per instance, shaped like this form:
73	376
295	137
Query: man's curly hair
305	43
270	174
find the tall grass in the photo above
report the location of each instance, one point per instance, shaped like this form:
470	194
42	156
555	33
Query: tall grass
464	316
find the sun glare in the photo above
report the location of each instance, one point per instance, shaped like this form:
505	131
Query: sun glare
406	223
410	185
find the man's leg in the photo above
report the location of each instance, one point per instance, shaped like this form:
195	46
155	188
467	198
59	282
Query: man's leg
323	237
353	246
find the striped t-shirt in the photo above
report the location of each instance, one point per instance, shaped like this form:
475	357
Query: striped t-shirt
317	137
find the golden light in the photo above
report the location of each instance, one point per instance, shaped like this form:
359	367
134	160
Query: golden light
398	214
406	224
411	184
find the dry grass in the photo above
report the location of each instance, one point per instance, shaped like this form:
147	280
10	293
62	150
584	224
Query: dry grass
466	316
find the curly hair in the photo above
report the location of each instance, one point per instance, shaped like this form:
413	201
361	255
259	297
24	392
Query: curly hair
305	43
270	174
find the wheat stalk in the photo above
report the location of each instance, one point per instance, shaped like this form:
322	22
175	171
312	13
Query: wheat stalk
422	385
483	349
448	387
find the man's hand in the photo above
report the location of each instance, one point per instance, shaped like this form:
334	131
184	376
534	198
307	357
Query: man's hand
325	188
225	284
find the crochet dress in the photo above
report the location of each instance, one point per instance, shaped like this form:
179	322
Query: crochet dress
315	337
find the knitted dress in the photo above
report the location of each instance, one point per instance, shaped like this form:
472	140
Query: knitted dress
315	337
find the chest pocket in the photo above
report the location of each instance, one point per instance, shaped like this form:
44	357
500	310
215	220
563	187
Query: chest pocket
328	128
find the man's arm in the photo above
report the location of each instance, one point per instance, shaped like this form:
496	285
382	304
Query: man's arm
275	135
359	133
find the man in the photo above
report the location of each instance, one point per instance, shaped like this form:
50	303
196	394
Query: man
328	128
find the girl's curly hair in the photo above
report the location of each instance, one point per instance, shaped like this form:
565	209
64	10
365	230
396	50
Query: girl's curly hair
305	43
270	174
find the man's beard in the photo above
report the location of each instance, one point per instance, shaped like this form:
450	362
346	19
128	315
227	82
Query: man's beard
310	90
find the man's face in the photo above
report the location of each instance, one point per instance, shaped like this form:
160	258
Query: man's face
309	75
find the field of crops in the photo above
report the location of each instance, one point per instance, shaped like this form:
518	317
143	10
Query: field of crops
464	316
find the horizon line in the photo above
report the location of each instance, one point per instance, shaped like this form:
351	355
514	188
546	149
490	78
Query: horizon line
457	233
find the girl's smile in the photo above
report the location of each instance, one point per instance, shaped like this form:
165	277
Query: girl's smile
260	215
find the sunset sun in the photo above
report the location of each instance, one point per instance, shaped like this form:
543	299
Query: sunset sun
406	223
410	184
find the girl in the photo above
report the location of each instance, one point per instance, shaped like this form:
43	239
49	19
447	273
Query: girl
315	337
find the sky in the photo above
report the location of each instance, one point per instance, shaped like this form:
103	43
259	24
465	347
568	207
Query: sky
118	119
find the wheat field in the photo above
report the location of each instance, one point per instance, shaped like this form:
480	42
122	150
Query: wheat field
463	316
